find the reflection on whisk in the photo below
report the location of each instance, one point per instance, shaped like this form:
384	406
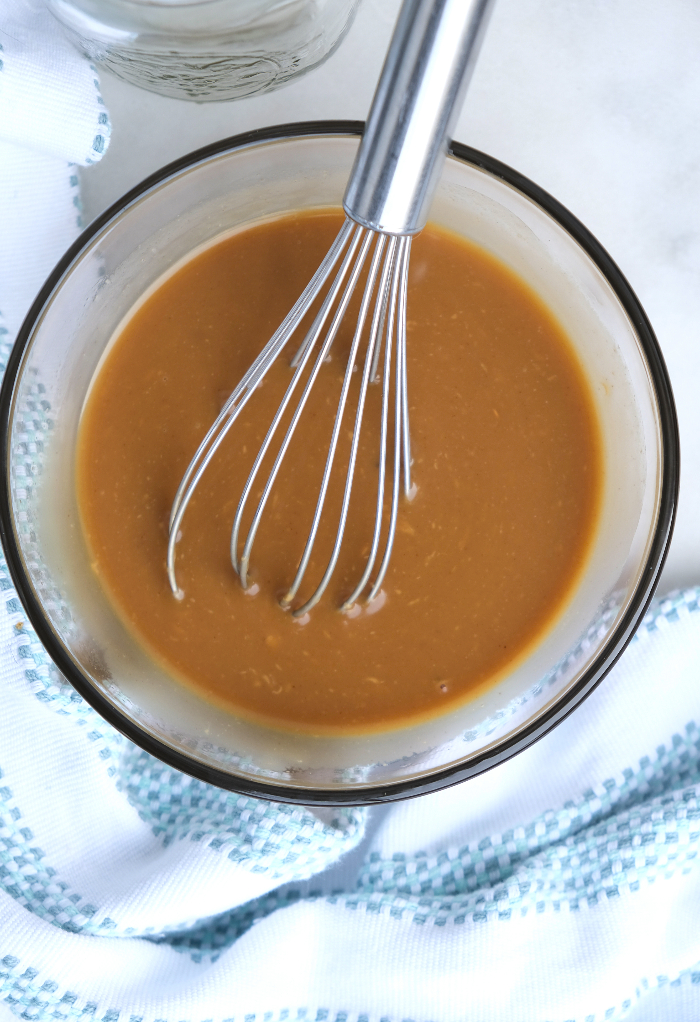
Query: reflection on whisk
385	288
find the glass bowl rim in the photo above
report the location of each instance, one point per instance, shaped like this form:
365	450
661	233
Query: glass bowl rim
511	745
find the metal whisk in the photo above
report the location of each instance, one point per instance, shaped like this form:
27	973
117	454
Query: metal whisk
425	75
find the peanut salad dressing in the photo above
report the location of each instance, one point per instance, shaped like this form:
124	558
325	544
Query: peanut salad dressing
507	463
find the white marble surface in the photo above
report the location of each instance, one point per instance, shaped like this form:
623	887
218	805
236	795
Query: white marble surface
598	102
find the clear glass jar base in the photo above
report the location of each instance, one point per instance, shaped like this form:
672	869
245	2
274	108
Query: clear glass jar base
202	78
206	51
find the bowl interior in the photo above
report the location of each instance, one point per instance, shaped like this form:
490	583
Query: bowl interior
65	338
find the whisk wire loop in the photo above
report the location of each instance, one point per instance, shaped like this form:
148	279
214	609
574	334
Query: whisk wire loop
388	315
304	354
369	357
400	421
242	393
402	345
320	358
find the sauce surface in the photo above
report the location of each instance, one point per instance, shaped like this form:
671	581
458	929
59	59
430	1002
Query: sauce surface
506	458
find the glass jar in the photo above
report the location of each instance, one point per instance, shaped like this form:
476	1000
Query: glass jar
206	50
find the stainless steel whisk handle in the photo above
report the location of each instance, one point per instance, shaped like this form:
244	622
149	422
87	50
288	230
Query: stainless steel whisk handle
425	75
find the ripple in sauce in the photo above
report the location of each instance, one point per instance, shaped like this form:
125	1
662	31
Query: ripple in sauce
507	461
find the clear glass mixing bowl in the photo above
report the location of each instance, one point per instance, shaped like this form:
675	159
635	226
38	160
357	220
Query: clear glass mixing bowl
130	247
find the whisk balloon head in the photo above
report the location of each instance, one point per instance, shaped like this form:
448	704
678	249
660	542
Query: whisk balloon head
379	345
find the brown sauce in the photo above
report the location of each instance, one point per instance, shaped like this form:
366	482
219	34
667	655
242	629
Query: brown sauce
507	462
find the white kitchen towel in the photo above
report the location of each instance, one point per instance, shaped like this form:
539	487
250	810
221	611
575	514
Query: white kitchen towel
51	118
561	886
